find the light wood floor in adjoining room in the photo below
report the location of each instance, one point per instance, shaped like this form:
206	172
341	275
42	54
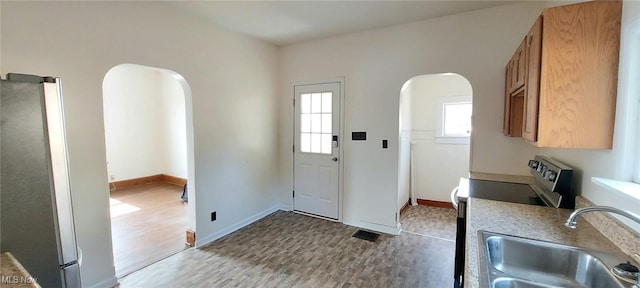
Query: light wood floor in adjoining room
148	223
286	249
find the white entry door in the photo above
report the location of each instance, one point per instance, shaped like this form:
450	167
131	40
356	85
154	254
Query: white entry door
317	149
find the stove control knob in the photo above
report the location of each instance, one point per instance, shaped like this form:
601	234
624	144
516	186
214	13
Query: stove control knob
533	164
552	176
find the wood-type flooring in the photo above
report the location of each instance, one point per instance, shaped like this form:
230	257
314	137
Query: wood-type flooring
148	223
286	249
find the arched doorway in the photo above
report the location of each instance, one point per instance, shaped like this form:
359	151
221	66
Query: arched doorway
149	146
434	137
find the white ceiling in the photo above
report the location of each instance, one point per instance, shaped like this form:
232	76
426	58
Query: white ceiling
289	22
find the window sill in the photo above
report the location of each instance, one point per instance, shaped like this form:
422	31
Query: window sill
629	188
452	140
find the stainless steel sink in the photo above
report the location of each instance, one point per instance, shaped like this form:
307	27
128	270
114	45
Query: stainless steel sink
509	261
505	282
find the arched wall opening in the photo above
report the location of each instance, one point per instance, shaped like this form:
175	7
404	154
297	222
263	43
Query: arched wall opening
148	123
434	137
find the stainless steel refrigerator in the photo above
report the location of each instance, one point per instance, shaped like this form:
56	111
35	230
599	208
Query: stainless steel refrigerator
36	218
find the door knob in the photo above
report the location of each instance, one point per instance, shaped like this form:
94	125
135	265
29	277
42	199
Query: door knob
334	159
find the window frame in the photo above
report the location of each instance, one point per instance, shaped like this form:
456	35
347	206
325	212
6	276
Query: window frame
636	175
440	137
634	43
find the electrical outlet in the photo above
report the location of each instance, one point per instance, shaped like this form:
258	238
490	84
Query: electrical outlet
213	216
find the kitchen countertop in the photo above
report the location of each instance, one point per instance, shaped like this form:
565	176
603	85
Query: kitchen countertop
536	222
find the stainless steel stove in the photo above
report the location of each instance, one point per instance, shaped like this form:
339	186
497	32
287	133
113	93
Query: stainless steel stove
552	187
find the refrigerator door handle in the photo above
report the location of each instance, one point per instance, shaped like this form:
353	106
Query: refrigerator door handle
454	198
57	148
71	276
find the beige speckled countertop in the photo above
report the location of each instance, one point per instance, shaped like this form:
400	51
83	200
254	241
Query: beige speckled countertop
528	221
13	274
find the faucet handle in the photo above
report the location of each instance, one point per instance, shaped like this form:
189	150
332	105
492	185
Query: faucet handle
571	223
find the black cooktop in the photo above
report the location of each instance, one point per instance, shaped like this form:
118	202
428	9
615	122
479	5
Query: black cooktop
504	191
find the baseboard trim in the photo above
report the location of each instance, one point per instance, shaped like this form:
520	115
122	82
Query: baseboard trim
107	283
147	179
432	203
230	229
173	180
404	208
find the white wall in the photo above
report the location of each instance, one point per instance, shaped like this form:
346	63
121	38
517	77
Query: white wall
438	167
617	163
375	65
173	110
145	129
233	82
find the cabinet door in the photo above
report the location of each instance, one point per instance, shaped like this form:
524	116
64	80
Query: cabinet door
507	102
532	90
579	75
518	71
513	105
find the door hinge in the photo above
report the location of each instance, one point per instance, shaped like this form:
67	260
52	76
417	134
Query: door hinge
294	149
293	193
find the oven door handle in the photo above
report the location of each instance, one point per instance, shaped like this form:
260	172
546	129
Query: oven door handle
454	197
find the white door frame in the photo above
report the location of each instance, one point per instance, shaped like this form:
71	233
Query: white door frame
342	140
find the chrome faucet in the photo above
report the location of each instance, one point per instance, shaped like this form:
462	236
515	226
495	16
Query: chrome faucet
623	270
571	221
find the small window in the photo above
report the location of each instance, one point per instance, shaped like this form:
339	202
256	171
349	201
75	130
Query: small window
453	120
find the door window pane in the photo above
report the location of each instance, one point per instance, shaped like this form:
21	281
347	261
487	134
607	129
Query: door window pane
305	142
305	103
326	102
316	122
305	123
316	103
326	123
315	143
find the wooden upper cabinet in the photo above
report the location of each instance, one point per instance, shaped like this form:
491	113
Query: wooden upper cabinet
533	53
571	77
579	75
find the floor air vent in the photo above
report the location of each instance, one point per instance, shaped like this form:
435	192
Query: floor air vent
366	235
